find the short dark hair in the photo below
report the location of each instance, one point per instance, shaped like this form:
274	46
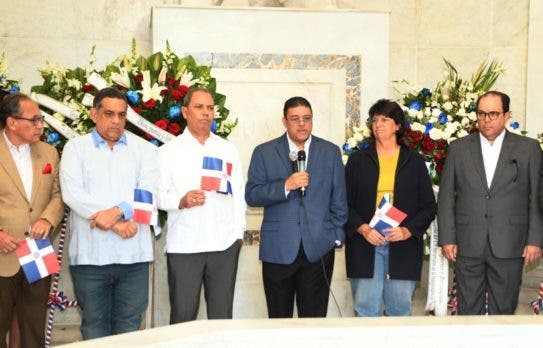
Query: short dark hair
504	97
188	96
11	106
390	109
294	102
108	92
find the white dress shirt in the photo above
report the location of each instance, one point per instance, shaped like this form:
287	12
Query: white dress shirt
23	162
491	154
218	223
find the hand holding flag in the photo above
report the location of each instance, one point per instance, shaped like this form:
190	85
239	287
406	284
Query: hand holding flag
386	216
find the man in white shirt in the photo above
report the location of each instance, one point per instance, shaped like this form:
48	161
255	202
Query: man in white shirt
488	211
201	188
30	204
109	251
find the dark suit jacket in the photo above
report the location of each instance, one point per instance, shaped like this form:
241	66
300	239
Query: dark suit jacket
286	223
413	195
17	213
506	212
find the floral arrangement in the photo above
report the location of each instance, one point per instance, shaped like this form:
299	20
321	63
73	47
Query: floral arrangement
154	87
437	116
6	84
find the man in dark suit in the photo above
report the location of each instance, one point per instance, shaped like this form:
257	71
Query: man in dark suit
304	213
29	202
488	214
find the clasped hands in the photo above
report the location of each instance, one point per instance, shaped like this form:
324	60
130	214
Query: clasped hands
108	219
395	234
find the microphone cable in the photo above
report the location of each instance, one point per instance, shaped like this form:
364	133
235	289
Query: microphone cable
328	281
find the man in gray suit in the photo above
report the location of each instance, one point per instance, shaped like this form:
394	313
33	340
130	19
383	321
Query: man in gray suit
488	214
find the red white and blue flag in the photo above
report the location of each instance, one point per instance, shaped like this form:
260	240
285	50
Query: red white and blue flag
145	209
37	258
386	216
216	175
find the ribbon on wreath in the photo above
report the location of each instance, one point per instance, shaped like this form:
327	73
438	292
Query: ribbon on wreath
537	305
57	298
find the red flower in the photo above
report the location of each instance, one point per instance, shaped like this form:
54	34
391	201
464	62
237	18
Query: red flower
439	167
174	128
416	136
87	88
438	156
137	109
428	144
149	104
441	144
170	81
48	169
177	94
164	92
183	89
138	78
162	124
473	129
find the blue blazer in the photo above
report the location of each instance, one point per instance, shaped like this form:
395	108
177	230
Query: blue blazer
316	220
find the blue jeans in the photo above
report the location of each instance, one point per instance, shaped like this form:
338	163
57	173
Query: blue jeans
369	294
112	297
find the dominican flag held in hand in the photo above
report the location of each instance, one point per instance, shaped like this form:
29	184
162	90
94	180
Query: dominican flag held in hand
386	216
216	175
37	258
145	210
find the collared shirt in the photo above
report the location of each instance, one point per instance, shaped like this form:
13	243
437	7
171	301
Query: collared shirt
491	154
294	148
94	177
23	162
215	225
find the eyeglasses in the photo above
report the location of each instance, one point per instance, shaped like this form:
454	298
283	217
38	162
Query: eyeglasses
481	115
297	119
36	120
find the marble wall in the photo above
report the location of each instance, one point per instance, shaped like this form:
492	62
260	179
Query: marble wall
421	33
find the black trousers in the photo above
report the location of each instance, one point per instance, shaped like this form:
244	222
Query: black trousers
216	270
500	278
302	279
30	302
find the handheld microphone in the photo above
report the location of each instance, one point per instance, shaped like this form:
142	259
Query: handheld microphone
293	155
301	167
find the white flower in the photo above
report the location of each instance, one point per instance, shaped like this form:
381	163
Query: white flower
464	121
472	116
436	112
121	77
427	111
74	83
352	142
420	115
358	137
162	76
187	79
461	133
435	134
150	92
58	116
412	112
415	126
447	106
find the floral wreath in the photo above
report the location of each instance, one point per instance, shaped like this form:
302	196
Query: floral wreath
154	87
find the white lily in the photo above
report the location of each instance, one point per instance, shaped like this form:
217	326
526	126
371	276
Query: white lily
121	78
187	79
148	92
162	75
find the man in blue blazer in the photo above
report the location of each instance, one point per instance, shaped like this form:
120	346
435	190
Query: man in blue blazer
304	213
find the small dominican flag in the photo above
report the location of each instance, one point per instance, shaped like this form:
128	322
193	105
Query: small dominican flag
216	175
145	210
37	258
386	216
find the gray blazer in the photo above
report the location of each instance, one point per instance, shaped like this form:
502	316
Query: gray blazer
506	211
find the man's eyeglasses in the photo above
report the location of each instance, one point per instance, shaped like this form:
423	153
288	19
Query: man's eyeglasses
297	119
491	114
36	120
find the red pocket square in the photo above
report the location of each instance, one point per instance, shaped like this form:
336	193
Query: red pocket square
48	169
